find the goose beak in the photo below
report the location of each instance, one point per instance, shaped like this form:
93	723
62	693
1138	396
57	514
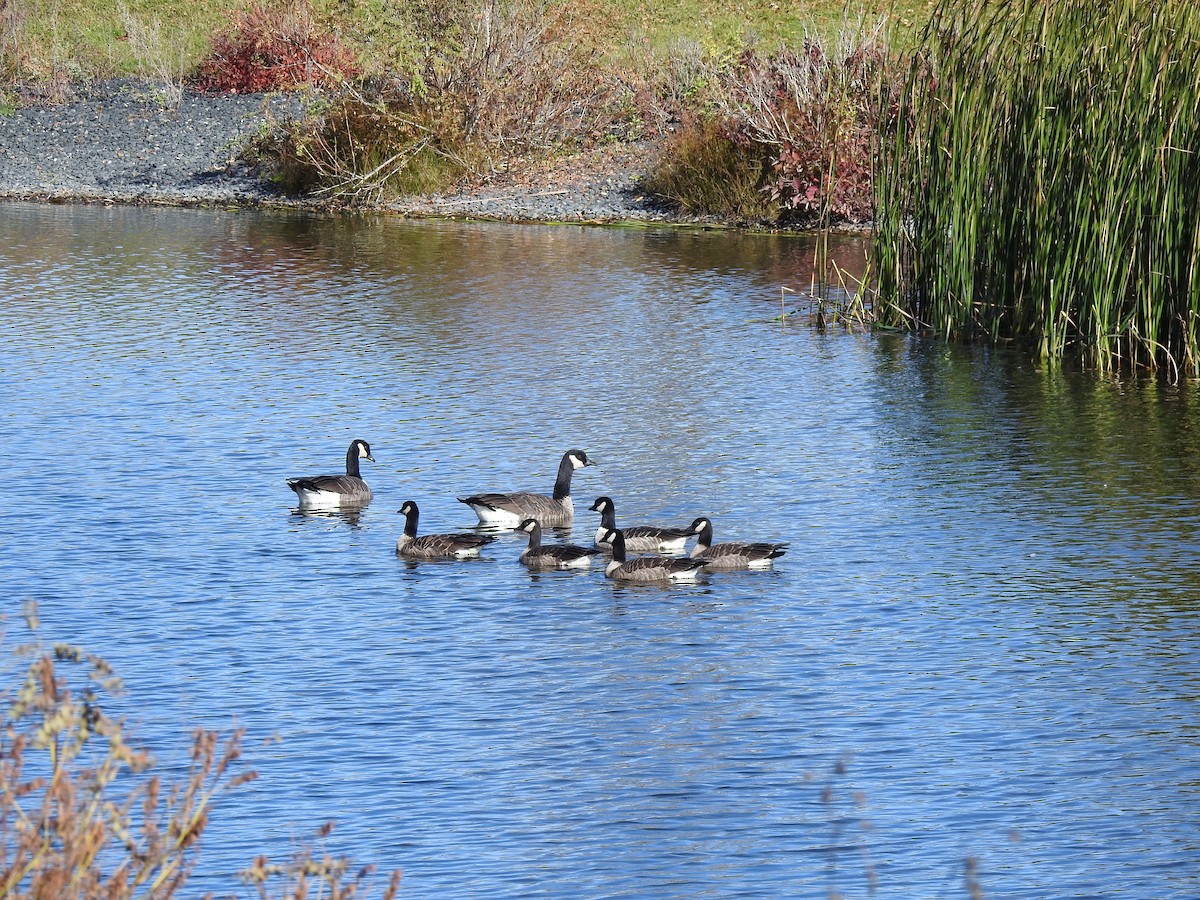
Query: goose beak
369	457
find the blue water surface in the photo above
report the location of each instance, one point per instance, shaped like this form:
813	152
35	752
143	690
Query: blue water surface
979	652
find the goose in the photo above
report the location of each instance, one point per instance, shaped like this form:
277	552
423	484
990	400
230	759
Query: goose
554	556
638	538
509	510
323	491
436	546
648	568
732	554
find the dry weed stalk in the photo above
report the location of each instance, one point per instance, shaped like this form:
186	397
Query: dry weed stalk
68	826
312	870
160	59
81	818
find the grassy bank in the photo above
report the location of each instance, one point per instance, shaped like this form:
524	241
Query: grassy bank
108	38
418	96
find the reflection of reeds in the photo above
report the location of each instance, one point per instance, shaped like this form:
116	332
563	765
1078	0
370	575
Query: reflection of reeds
81	817
1038	181
835	295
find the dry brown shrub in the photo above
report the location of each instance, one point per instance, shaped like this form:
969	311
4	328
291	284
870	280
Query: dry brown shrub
273	48
505	81
83	816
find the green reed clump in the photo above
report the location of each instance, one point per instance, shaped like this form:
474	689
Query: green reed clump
1037	181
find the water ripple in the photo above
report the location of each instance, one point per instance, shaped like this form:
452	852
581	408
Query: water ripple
979	645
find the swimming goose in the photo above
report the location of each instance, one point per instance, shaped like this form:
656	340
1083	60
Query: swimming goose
322	491
509	510
648	568
638	538
553	556
436	546
732	554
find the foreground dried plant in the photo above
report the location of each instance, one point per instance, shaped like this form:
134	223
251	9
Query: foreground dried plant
82	817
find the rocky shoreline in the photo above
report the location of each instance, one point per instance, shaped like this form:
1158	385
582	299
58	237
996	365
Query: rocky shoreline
126	142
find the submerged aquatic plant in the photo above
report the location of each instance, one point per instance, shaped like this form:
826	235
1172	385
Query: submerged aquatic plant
1036	181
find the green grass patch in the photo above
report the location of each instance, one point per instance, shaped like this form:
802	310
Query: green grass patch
105	38
94	38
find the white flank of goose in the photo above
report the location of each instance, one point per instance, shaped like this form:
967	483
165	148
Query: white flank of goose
638	538
648	568
509	510
463	545
732	554
324	491
552	556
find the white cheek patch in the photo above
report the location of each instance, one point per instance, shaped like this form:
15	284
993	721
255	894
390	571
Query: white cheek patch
577	462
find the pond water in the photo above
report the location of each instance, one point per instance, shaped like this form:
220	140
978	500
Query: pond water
982	644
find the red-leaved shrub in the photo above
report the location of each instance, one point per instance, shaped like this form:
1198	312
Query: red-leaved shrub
273	48
818	112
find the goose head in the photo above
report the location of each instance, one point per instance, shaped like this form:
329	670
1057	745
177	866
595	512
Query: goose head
616	538
364	450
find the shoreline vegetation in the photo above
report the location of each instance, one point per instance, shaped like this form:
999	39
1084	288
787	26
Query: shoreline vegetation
1028	183
699	115
1037	184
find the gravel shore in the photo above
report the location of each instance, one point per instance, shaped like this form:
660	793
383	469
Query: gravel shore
123	142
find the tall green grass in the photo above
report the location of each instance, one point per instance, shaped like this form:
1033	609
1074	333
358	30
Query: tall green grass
1039	181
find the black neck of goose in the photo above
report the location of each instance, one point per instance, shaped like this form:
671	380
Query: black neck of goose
410	523
535	536
608	518
618	546
704	538
562	484
352	461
